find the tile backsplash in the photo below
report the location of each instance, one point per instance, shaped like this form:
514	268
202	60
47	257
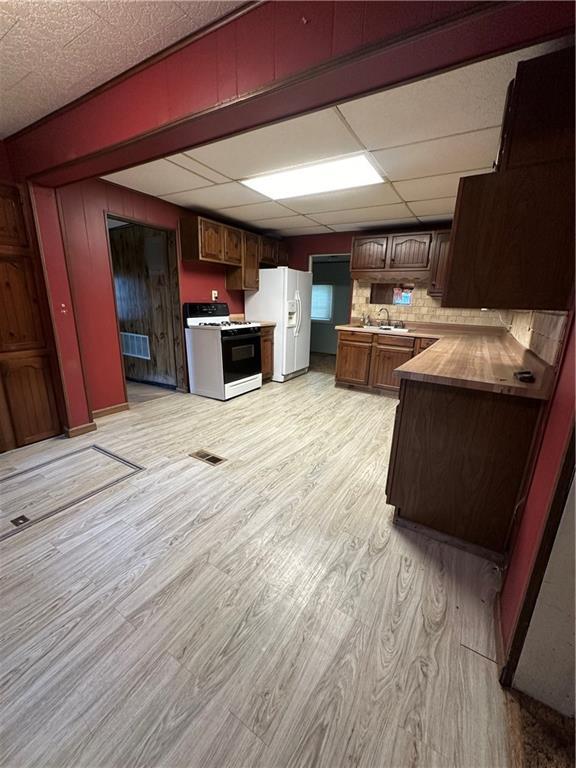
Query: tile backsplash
424	309
540	331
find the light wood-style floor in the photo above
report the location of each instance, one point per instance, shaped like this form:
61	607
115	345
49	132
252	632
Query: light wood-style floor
262	613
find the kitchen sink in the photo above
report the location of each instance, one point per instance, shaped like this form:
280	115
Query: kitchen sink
388	328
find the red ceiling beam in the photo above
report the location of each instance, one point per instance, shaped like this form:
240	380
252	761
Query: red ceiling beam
274	62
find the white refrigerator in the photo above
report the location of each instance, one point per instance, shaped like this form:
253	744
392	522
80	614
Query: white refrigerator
284	297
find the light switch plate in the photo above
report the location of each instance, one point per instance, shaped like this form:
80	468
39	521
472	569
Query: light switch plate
214	295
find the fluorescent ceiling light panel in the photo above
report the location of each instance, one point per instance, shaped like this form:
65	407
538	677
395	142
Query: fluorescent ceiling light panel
327	176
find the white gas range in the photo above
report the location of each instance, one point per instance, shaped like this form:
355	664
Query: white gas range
223	355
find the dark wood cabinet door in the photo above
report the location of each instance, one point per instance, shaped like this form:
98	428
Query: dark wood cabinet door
353	362
252	246
282	254
410	251
232	245
20	320
369	253
28	388
267	352
384	361
269	252
211	241
438	264
12	222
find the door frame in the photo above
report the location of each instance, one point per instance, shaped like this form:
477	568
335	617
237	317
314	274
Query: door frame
175	304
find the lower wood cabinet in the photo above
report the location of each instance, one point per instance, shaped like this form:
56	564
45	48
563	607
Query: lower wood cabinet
353	358
267	351
385	360
369	359
458	461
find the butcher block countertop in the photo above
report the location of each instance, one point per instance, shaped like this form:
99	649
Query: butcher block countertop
472	357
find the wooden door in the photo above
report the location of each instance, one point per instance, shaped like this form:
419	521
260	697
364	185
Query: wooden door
232	245
439	264
384	362
211	240
29	378
267	352
410	251
353	362
144	304
369	253
251	261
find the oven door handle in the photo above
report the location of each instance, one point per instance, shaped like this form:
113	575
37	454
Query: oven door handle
241	337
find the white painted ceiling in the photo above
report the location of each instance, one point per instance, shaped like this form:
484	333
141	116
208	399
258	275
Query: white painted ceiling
423	137
52	52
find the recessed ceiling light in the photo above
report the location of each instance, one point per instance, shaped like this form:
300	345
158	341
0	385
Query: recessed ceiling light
328	176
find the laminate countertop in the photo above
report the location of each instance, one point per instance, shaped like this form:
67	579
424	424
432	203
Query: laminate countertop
472	358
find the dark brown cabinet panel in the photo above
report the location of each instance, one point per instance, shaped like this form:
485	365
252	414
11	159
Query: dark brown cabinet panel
368	253
283	254
20	321
385	359
539	119
232	245
267	352
211	240
28	389
438	264
12	222
269	252
246	276
410	251
512	243
353	362
458	461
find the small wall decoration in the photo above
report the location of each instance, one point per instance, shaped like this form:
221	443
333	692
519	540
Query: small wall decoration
402	296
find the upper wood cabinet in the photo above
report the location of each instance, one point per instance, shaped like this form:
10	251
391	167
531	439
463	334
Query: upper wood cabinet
211	240
410	251
438	264
269	252
538	122
246	276
369	253
283	253
512	243
232	245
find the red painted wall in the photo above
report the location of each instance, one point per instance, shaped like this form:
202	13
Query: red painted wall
60	300
83	207
301	248
266	45
540	494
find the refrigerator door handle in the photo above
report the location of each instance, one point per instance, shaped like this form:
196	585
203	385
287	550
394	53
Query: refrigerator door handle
299	316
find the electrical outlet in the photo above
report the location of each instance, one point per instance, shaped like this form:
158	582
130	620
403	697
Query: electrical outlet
214	295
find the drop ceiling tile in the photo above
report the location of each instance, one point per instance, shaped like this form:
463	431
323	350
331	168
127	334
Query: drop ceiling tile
216	197
463	152
464	99
47	24
202	170
384	223
294	142
441	207
360	197
433	186
256	211
6	23
158	178
286	222
302	231
373	213
137	20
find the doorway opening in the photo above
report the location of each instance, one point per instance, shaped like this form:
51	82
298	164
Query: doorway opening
145	272
331	296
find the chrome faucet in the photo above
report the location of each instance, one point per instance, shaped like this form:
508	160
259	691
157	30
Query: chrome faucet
385	309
